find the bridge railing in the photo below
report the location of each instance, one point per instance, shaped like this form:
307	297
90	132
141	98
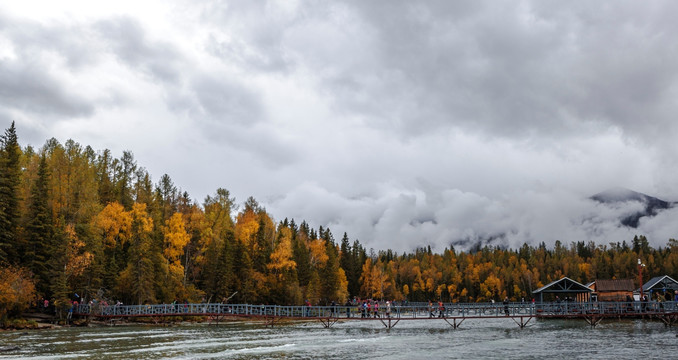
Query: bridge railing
396	311
606	308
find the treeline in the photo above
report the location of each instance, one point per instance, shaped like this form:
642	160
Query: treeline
78	221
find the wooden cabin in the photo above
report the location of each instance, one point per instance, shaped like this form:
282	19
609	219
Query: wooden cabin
614	290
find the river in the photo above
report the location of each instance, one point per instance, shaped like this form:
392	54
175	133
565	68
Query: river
421	339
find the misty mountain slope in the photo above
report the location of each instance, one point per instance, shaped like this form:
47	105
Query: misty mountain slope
651	205
612	215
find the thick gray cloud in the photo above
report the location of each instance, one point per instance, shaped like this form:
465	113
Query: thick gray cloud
27	87
404	124
221	100
519	70
250	34
28	80
128	41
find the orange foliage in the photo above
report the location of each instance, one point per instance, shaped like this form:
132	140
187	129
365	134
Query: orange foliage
77	261
246	226
318	252
114	224
141	219
176	239
16	291
281	258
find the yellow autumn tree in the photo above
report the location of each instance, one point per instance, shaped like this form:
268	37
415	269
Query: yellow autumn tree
342	290
114	224
246	227
490	288
366	278
452	290
176	239
463	295
77	260
282	258
373	279
17	290
318	254
136	281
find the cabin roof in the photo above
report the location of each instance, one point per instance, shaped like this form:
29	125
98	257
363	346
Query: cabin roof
661	283
614	285
564	285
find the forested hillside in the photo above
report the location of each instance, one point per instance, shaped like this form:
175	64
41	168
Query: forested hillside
74	220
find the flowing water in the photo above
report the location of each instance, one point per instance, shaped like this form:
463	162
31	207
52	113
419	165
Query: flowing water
422	339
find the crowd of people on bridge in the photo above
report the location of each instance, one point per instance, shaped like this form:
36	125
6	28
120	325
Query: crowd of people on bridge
369	308
365	308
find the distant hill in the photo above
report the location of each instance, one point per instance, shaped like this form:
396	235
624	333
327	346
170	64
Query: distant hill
652	205
614	198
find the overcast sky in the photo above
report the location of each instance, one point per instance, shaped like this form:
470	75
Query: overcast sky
401	123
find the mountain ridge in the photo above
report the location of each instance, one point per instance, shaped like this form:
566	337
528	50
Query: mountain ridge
652	205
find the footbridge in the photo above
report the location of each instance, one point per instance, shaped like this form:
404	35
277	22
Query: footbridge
452	313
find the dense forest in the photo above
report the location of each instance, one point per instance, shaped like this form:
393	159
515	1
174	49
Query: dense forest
78	221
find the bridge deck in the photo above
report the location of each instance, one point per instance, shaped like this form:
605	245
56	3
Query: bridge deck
408	312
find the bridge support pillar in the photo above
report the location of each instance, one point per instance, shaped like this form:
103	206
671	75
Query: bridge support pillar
215	319
593	320
522	322
669	320
271	320
388	323
454	323
328	321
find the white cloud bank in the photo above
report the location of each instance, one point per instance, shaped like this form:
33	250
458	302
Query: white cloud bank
402	123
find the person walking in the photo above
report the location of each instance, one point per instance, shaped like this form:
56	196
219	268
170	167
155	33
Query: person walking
506	306
307	308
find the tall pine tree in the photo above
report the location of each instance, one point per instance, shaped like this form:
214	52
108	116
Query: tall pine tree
39	230
10	178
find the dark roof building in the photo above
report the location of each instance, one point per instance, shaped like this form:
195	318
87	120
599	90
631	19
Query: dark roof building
660	283
562	288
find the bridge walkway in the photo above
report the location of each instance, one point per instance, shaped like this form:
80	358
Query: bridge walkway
453	313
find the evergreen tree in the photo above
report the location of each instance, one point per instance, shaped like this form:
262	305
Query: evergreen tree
167	196
226	282
302	258
58	282
143	190
10	178
104	171
330	274
39	230
138	278
243	270
211	269
348	263
359	256
264	245
641	245
124	171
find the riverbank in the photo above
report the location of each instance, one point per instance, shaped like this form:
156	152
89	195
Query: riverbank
38	321
41	321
